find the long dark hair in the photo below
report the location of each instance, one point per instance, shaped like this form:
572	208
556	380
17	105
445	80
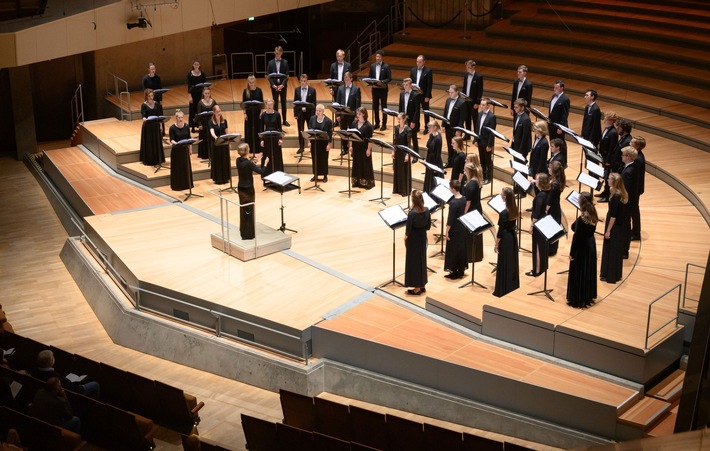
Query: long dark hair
417	201
586	207
510	202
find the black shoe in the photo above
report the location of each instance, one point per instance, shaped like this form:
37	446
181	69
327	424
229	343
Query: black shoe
384	127
343	153
415	293
313	179
600	195
299	150
528	209
635	238
486	181
325	179
376	126
603	200
425	131
449	275
287	124
531	274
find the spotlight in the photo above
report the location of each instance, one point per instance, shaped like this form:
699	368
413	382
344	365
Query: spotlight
142	23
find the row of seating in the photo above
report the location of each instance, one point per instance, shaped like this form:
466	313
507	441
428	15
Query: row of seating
101	424
167	405
321	420
37	434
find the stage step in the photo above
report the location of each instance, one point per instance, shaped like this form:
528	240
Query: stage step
666	426
645	413
670	388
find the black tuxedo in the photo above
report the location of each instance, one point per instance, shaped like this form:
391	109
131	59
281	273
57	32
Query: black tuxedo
426	82
591	124
379	95
608	143
411	109
352	103
474	90
522	138
630	177
635	213
556	157
334	70
525	92
559	114
303	116
456	117
538	157
486	139
616	164
283	69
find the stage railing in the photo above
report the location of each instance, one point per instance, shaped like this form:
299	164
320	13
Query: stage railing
224	219
260	61
77	107
685	284
675	318
122	94
375	36
223	73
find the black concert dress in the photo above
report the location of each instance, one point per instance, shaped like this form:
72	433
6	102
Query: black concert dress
220	168
319	156
612	266
539	250
272	150
252	119
507	270
456	257
180	167
472	192
433	156
401	177
457	167
195	93
363	175
203	148
245	189
415	270
553	200
151	150
582	280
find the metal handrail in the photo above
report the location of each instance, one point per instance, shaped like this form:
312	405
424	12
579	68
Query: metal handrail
224	219
368	41
685	284
124	105
77	107
650	306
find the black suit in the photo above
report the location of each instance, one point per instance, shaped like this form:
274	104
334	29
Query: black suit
609	140
353	103
303	116
635	213
334	70
538	157
473	89
426	82
379	95
455	117
486	139
559	115
616	164
630	177
411	109
522	138
556	157
525	92
283	69
591	124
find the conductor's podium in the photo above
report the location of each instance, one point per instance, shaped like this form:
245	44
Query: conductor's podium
267	241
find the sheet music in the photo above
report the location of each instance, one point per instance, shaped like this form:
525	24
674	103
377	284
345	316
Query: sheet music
434	168
280	178
567	130
517	155
519	167
442	192
393	215
584	142
183	142
593	155
497	134
429	203
588	180
549	227
573	198
594	168
474	220
389	112
441	181
522	181
497	203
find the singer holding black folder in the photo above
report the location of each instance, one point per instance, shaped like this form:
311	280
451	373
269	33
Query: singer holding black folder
245	189
507	269
320	149
194	77
363	174
221	167
415	240
180	167
539	205
401	169
433	155
252	122
206	103
151	150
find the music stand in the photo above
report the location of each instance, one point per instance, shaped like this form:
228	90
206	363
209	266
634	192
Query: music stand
497	103
415	88
281	182
252	106
431	205
158	120
186	142
394	115
443	193
412	155
394	217
200	87
498	135
308	107
333	85
467	132
437	116
383	145
228	138
539	114
342	111
315	135
521	180
271	135
551	231
374	83
476	224
498	205
348	135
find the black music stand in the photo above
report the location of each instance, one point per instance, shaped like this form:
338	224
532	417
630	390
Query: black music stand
252	106
275	79
394	217
158	120
476	224
351	134
394	115
158	94
309	107
229	138
436	116
282	182
466	132
383	145
315	135
342	111
539	114
186	142
498	135
333	85
272	136
198	117
520	180
374	83
497	103
551	231
443	194
431	205
413	158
